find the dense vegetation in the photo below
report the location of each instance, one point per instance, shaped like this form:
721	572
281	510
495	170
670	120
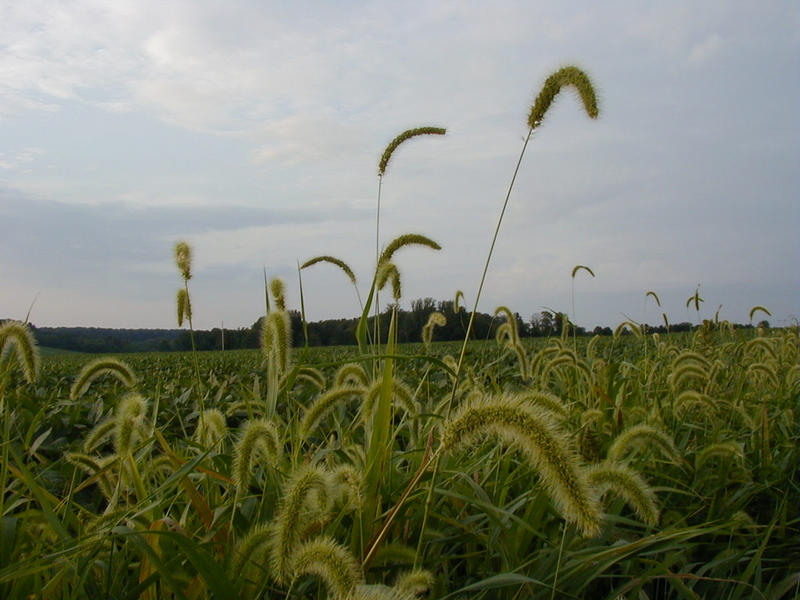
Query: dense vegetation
126	488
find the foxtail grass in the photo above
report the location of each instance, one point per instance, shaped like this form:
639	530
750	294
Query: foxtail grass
259	438
637	436
331	562
18	336
533	432
628	484
305	498
94	369
324	404
435	319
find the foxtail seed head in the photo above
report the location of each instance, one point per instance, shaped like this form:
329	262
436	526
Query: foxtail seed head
407	134
98	367
654	295
184	307
278	289
331	562
627	483
324	404
387	271
129	417
636	436
334	261
406	240
296	512
577	268
211	428
258	437
18	335
252	548
434	319
457	308
183	259
276	339
532	431
415	583
352	373
568	76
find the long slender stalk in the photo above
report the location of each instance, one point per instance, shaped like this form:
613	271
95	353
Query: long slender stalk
456	379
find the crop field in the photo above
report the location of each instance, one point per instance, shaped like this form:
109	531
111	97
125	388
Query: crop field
633	466
636	466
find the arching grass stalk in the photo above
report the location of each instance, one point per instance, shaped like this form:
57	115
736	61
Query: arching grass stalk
384	162
567	76
575	270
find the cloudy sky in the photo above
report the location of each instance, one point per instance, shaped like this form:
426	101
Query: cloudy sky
253	131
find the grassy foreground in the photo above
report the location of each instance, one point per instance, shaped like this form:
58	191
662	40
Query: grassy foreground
633	466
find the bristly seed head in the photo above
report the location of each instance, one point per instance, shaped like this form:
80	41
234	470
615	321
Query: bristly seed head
533	432
18	335
183	259
552	86
409	133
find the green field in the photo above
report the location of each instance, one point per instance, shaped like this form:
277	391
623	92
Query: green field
633	466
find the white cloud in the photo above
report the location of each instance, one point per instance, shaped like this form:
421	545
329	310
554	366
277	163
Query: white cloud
20	159
706	50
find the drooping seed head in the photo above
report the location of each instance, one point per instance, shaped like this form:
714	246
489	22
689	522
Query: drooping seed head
17	335
129	419
577	268
457	308
534	433
638	435
407	134
98	367
406	240
258	438
295	513
324	404
628	484
435	319
211	428
184	306
330	561
388	272
334	261
568	76
352	373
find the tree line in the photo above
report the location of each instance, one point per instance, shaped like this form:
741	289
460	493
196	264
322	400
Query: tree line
328	332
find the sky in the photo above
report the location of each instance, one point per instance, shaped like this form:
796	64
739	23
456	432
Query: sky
253	131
